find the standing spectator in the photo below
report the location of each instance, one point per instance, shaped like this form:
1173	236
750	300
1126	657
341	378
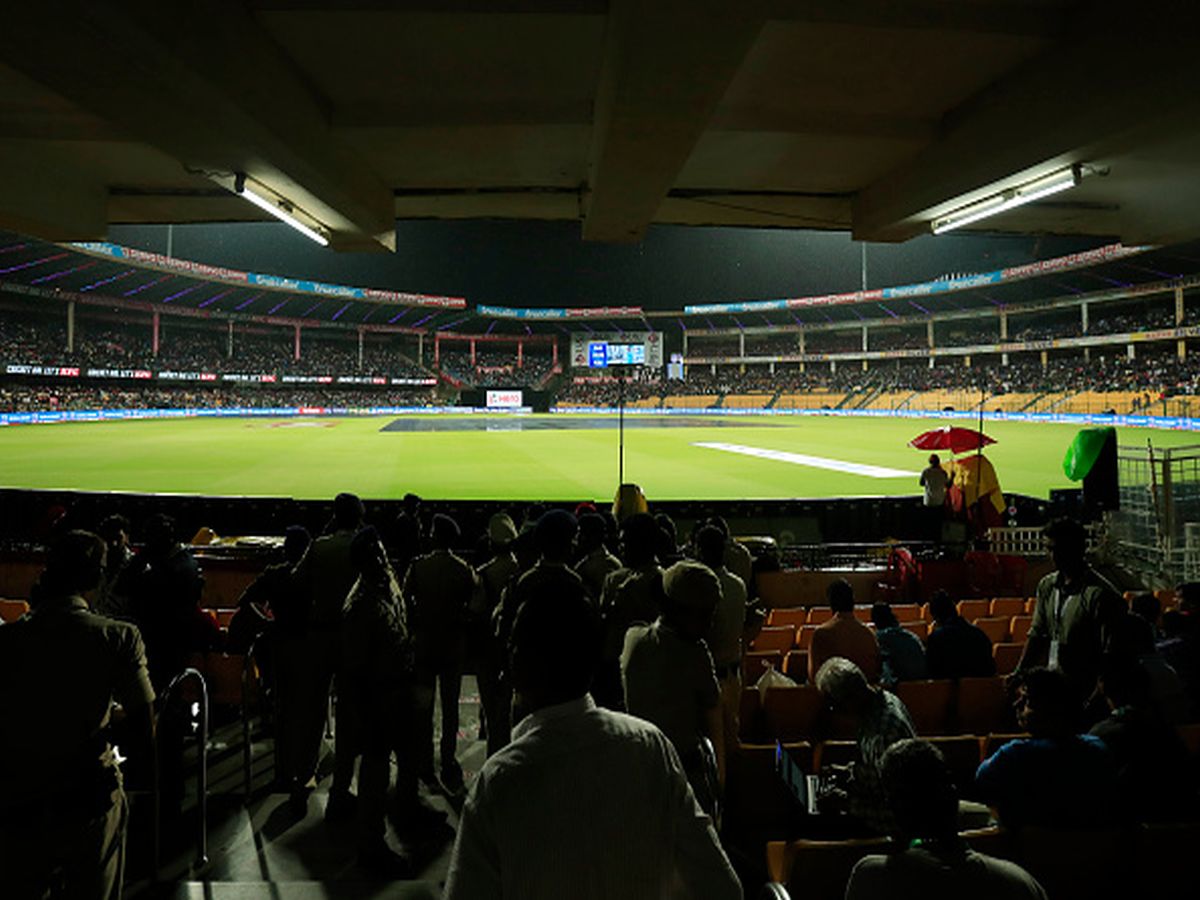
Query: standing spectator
724	636
165	587
1076	614
900	650
737	558
844	636
1057	777
596	563
495	576
668	674
438	588
935	480
956	648
323	579
582	796
631	594
111	599
409	535
377	706
62	802
880	720
931	861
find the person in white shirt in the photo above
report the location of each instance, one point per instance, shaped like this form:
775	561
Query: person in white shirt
583	802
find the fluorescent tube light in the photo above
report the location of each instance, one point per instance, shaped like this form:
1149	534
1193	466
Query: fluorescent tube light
1008	199
278	211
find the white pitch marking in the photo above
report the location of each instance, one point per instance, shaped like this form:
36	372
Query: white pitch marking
816	462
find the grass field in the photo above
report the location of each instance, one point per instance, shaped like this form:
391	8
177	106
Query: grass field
315	458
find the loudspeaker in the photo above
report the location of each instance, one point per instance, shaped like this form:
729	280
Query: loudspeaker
1100	490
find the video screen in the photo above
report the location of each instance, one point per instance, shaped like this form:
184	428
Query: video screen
602	354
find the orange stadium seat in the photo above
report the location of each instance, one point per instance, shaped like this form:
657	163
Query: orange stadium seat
862	613
983	706
804	636
906	612
1018	628
795	666
919	628
996	628
1007	606
973	609
1030	606
755	662
962	756
1007	656
835	753
779	638
819	615
791	616
11	610
792	713
929	703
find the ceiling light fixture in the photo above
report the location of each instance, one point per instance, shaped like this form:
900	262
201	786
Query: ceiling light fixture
280	209
1009	199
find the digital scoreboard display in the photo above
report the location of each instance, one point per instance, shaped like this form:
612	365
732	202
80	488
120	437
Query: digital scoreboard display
602	354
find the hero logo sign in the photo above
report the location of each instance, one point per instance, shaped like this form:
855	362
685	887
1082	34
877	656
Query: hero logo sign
503	398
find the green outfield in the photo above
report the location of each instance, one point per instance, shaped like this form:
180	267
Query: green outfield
536	457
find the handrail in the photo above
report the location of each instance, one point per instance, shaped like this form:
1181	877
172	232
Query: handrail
202	774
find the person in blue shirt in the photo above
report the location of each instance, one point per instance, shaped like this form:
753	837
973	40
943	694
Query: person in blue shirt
1056	777
901	651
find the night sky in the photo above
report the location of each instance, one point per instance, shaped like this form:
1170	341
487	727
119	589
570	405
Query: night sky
547	264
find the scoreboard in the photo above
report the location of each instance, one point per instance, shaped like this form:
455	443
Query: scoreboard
630	348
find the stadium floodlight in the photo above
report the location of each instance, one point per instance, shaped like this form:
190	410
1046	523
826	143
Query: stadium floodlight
1008	199
280	209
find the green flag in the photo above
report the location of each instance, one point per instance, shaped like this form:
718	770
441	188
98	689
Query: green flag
1084	451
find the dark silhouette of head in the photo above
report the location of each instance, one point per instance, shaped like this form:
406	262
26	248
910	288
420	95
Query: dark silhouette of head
114	530
1047	705
639	534
411	504
1067	544
592	532
710	546
295	543
347	512
934	459
883	617
919	790
942	606
840	595
160	535
443	532
554	535
367	553
1146	605
691	593
554	646
73	565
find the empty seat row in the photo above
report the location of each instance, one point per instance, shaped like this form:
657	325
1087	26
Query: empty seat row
784	637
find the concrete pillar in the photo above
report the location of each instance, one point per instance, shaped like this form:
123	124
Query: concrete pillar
1045	360
472	353
742	345
800	342
771	367
1087	354
554	352
1003	325
865	343
1179	310
437	351
296	343
70	326
420	349
929	334
1181	350
361	338
1083	316
967	361
1130	352
520	354
685	345
155	333
229	341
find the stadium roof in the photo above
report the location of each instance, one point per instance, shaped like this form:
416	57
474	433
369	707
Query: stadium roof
866	115
108	274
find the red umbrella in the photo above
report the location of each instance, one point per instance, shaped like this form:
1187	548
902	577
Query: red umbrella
952	438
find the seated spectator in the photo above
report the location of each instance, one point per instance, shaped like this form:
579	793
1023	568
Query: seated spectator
955	648
582	796
1057	777
880	719
111	598
935	862
1146	605
1153	770
844	636
63	811
668	674
901	651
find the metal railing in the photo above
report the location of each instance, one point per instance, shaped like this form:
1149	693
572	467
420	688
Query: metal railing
169	698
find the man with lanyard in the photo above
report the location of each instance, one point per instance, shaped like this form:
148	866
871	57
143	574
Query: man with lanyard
1076	613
